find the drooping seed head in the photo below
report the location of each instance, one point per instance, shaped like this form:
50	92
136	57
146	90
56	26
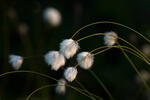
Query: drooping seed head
110	38
55	59
68	48
61	88
16	61
70	73
85	60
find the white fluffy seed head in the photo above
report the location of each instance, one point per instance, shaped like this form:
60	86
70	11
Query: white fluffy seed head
70	73
61	88
16	61
55	59
68	48
85	60
52	16
110	38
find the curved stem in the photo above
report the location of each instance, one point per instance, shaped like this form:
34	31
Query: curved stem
102	51
92	52
43	75
25	71
96	34
102	84
46	86
128	49
52	85
133	47
137	55
146	59
134	67
88	93
82	86
134	52
110	22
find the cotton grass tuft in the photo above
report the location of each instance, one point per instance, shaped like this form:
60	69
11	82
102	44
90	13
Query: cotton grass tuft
110	38
70	73
85	60
55	59
16	61
68	48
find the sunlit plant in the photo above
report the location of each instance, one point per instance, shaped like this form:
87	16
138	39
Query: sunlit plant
85	59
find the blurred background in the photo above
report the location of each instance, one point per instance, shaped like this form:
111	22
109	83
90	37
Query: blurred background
30	28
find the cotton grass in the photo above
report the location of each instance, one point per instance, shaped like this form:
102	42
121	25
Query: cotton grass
85	60
70	73
68	48
55	59
16	61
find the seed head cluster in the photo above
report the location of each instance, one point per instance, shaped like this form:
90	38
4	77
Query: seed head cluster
57	59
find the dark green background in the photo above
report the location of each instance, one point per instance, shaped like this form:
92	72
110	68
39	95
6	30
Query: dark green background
111	66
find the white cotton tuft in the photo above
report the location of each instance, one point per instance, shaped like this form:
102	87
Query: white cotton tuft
69	47
52	16
70	73
55	59
16	61
85	60
110	38
61	88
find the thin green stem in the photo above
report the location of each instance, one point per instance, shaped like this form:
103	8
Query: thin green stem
102	51
134	67
146	59
91	52
52	85
102	84
82	86
25	71
96	34
43	75
110	22
46	86
133	47
130	50
134	54
91	94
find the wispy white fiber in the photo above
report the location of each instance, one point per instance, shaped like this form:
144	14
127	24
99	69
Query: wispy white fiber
16	61
70	73
110	38
68	48
55	59
85	60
